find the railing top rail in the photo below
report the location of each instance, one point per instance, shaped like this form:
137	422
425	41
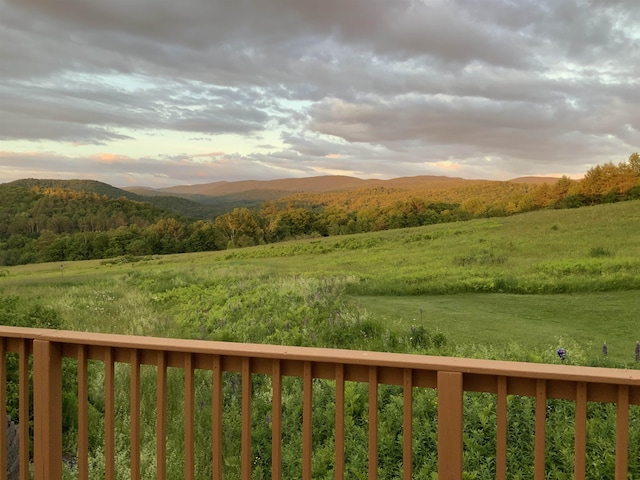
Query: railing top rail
335	356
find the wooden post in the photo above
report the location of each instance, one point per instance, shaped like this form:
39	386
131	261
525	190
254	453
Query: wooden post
3	407
449	425
622	432
47	385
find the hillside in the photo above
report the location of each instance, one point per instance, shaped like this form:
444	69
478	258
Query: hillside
512	288
49	220
329	183
170	203
342	191
89	186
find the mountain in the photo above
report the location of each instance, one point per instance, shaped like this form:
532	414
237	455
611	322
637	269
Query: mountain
209	200
89	186
310	184
170	203
259	190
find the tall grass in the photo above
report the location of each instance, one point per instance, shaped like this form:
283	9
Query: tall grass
513	288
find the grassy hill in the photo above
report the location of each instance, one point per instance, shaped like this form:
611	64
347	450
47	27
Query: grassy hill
514	288
89	186
524	284
170	203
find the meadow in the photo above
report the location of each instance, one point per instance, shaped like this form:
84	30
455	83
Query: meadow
532	280
513	288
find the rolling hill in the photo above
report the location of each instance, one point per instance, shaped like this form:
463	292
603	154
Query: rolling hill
172	203
334	189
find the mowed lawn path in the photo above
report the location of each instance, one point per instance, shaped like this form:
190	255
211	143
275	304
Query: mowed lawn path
541	321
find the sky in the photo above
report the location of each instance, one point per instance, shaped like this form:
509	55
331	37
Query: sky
164	92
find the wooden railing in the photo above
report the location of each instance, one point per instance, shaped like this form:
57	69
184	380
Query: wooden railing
41	355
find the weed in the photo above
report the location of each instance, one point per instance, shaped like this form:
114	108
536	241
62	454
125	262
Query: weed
597	252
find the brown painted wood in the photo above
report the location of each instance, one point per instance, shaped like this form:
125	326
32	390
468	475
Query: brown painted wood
449	425
189	419
540	430
109	414
246	419
83	414
134	413
580	432
501	431
24	349
622	432
407	424
3	407
452	376
373	423
307	420
276	421
161	417
339	433
47	385
217	417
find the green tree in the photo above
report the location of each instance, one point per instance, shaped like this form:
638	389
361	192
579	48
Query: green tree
295	222
204	237
240	222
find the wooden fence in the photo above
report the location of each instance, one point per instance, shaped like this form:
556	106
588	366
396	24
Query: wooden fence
40	355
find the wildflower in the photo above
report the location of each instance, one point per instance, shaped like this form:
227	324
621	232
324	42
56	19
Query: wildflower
562	353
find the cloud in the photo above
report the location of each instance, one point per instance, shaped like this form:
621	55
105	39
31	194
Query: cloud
301	87
159	171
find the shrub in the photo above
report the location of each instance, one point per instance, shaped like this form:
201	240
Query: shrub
596	252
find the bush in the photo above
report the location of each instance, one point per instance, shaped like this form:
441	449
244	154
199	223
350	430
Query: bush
596	252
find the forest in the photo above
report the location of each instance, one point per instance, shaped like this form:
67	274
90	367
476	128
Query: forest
46	221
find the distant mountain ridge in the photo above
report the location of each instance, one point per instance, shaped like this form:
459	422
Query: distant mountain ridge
208	200
90	186
172	203
326	183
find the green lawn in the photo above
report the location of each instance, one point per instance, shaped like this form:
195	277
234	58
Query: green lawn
540	321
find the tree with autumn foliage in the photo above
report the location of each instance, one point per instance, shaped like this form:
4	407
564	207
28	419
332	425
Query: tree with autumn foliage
634	162
240	227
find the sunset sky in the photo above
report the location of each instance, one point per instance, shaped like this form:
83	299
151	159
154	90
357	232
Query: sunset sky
166	92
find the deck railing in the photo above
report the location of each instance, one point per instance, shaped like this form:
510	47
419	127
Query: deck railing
40	361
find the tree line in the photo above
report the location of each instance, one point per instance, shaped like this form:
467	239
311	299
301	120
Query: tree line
48	224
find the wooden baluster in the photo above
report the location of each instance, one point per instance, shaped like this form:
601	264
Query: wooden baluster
189	418
246	419
501	430
276	421
540	429
217	418
407	424
161	415
109	415
339	473
580	446
307	421
622	432
3	407
134	413
47	385
373	423
83	413
450	410
23	426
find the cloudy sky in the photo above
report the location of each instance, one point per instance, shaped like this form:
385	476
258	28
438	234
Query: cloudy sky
166	92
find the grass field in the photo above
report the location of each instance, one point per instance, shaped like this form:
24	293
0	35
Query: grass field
513	288
530	282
